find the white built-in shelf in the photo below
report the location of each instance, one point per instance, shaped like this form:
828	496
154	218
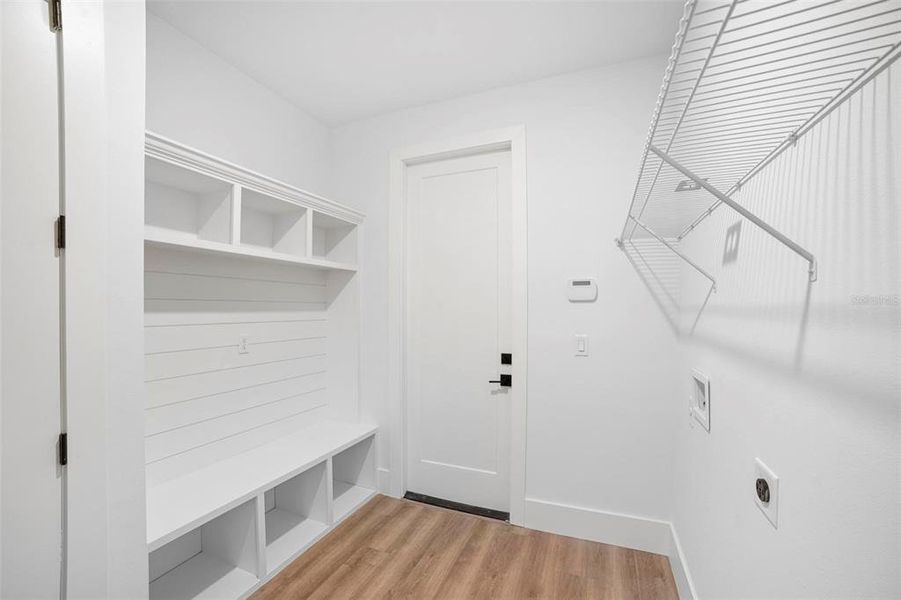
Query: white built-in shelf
177	506
349	497
215	560
203	576
288	534
296	515
223	519
223	531
196	202
353	478
160	238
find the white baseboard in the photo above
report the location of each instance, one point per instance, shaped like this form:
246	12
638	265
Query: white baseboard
617	529
628	531
383	481
677	561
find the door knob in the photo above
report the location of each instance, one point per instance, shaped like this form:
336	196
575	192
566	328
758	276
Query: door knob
505	380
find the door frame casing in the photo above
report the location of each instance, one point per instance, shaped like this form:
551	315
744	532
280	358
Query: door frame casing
512	139
104	89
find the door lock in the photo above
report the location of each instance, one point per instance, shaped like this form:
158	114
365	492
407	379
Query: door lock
505	380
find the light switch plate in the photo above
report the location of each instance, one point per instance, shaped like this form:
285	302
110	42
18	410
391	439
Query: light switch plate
699	398
581	342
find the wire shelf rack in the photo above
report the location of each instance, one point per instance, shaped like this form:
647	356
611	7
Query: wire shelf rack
745	80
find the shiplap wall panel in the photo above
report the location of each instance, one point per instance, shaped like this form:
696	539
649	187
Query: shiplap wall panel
234	306
179	464
212	317
206	399
196	287
169	391
218	334
168	365
183	439
194	410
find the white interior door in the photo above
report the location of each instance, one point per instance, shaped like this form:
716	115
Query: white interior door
459	322
30	478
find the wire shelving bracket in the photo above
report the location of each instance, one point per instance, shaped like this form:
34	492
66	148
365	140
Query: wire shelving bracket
746	79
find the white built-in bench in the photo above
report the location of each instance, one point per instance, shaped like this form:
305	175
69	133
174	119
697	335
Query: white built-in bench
222	531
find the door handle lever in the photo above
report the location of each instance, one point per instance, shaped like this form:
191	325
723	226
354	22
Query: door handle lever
505	380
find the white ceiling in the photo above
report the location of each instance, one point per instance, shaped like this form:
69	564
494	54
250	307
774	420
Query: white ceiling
342	61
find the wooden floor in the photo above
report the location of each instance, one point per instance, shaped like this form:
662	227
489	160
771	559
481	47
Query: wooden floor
401	549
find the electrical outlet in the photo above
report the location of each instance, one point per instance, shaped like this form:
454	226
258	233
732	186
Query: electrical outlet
242	346
766	492
699	398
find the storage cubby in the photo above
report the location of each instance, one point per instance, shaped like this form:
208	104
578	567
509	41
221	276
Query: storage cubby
180	203
244	422
353	473
273	224
296	515
334	239
216	560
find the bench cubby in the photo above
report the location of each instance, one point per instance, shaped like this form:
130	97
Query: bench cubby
353	477
296	515
218	559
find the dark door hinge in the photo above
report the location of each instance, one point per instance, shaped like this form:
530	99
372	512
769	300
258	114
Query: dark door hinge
56	15
61	232
63	449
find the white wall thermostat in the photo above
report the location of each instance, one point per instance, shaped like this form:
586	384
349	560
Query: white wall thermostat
582	290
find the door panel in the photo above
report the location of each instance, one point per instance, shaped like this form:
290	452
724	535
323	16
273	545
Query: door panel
458	324
30	479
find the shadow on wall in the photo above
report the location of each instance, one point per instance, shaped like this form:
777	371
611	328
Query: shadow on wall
836	192
660	269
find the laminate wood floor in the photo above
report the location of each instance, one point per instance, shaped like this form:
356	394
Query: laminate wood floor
401	549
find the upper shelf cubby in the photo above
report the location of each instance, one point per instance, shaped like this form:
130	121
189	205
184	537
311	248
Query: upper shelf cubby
333	239
194	201
185	203
273	224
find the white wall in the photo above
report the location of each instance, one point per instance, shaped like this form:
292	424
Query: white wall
196	98
1	320
126	551
809	380
104	117
600	430
205	400
814	394
585	134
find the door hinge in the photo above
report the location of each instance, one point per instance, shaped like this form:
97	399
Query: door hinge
62	447
56	15
61	232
